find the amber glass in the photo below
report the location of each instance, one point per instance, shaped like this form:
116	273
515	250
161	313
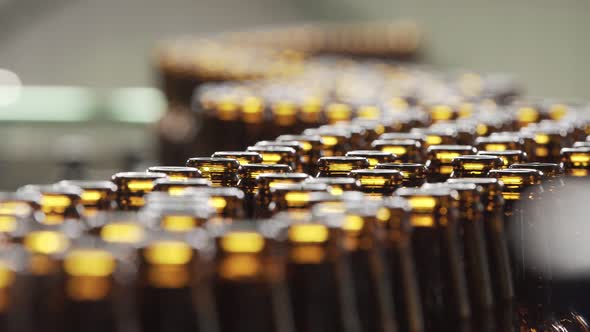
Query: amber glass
340	166
132	186
222	172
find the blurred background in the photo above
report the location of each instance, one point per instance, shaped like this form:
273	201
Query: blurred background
89	82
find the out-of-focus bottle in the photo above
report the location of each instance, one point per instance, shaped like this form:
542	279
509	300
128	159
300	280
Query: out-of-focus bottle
176	214
132	187
405	150
335	141
222	172
176	172
297	163
243	157
549	141
338	185
436	247
265	184
340	166
273	155
473	166
508	157
179	187
440	160
576	161
319	279
59	202
174	286
378	183
374	157
248	175
293	197
437	136
312	150
96	197
249	282
413	175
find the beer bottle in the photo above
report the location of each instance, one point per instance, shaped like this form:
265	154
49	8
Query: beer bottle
473	166
268	181
249	281
59	202
319	278
437	136
549	141
508	157
295	145
473	245
436	247
293	197
397	244
374	157
440	159
575	161
222	172
132	186
338	185
499	143
340	166
227	203
312	150
378	183
179	187
496	236
176	213
16	206
335	141
405	150
243	157
272	155
248	175
176	172
96	197
174	286
413	175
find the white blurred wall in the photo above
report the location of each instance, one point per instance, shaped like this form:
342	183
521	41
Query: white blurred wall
108	42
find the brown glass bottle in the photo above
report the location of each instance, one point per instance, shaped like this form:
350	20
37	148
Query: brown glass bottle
397	244
406	150
249	282
496	236
174	286
378	183
338	185
273	155
335	141
340	166
222	172
436	247
440	159
413	175
59	202
265	184
374	157
248	175
179	187
243	157
312	150
176	172
508	157
132	186
297	164
576	161
319	279
96	197
473	166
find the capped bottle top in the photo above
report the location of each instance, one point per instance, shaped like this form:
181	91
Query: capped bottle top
176	172
474	165
340	166
378	181
178	187
220	171
374	157
243	157
136	182
276	154
248	174
508	157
